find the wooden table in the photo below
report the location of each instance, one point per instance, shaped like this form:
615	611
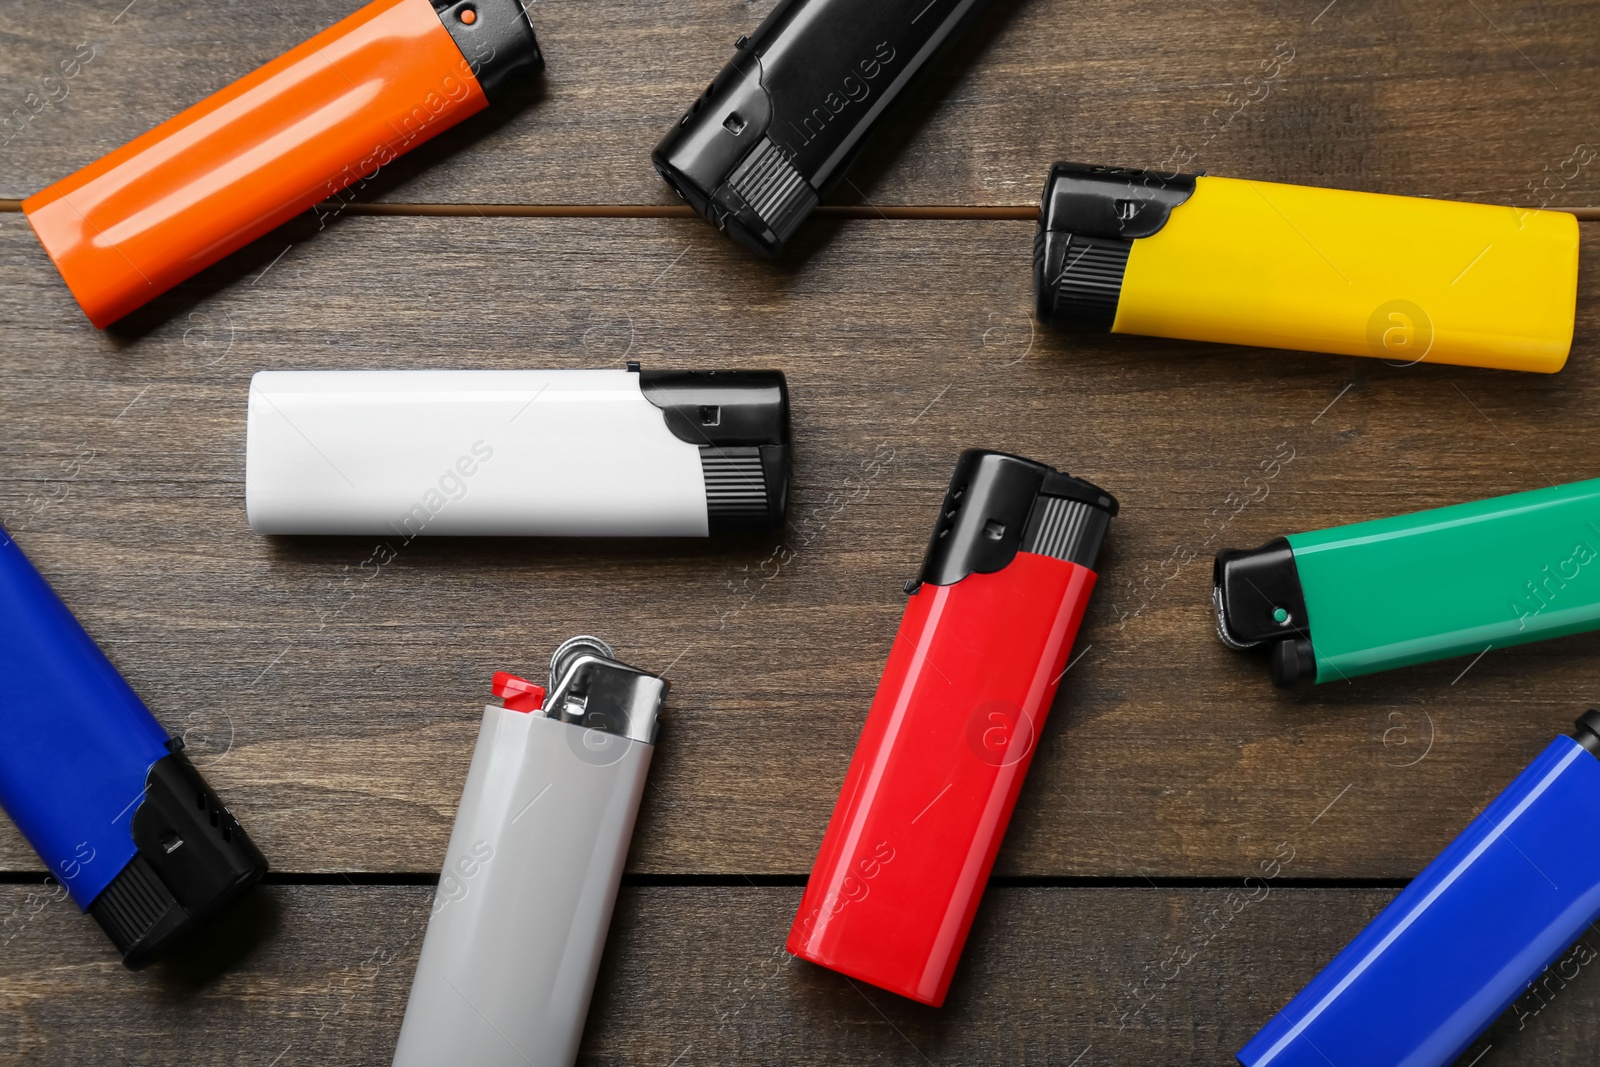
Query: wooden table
334	706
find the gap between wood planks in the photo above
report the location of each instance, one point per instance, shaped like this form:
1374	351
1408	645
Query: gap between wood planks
1023	213
798	881
1027	213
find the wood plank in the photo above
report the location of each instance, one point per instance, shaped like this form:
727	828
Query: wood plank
335	706
1485	101
320	974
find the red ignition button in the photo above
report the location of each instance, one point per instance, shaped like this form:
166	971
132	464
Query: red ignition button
518	694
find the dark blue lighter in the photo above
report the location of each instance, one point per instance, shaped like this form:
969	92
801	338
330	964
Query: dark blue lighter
94	783
1467	936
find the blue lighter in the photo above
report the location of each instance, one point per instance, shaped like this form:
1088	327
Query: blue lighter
98	788
1467	936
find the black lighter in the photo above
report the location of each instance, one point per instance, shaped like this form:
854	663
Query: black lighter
788	115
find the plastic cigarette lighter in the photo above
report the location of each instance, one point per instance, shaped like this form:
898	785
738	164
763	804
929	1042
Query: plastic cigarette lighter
98	788
1324	270
520	918
970	677
556	453
1453	581
1467	936
298	131
784	119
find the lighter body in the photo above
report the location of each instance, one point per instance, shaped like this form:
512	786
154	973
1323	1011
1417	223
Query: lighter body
99	789
782	122
1406	279
301	129
1455	581
559	453
954	725
530	877
1467	936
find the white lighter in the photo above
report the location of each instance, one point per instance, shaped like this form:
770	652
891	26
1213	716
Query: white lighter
531	874
559	453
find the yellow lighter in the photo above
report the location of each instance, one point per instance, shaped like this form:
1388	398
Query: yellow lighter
1290	266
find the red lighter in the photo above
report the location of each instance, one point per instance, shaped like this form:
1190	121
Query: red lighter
947	741
253	155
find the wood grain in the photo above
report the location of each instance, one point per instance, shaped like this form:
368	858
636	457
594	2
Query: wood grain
1487	101
334	705
320	974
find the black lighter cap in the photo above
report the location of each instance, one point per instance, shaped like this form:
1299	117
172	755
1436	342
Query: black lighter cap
496	39
192	860
998	505
1587	731
1259	600
740	422
1089	218
719	159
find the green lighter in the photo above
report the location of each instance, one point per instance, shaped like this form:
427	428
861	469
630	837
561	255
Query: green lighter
1453	581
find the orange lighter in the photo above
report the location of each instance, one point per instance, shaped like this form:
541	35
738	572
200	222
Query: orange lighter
299	130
